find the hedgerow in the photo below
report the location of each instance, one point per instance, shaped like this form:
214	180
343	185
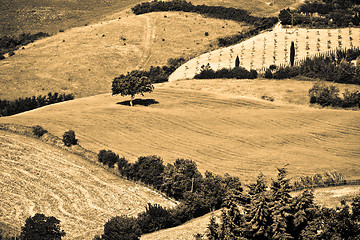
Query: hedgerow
206	72
8	108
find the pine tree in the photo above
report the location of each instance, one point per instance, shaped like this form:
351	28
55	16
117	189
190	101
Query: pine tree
292	53
237	62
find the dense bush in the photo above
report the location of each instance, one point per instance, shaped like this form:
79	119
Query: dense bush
8	108
329	96
274	214
155	218
121	228
39	131
69	138
107	157
9	43
206	72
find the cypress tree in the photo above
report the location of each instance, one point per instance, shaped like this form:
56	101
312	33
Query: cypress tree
237	62
292	53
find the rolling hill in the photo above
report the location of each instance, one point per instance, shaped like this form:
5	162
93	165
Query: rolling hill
85	60
38	178
215	130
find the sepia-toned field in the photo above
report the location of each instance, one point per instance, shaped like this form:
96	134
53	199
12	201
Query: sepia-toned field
38	178
223	133
272	47
85	60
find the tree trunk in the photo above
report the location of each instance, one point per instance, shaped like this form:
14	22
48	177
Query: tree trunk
131	101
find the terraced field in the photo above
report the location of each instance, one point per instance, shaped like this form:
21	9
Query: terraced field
38	178
272	47
222	133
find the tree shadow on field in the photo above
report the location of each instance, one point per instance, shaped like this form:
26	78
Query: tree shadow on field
142	102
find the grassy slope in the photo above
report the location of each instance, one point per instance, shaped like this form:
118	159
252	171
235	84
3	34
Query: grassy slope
85	60
217	131
38	178
18	16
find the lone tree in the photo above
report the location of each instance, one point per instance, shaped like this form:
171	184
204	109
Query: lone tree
40	227
292	53
131	84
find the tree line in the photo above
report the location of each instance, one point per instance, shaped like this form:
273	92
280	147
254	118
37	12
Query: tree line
11	43
8	108
335	13
181	181
206	72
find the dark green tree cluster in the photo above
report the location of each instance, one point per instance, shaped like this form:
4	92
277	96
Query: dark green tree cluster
273	214
206	72
339	13
8	108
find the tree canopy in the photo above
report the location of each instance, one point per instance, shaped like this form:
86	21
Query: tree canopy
131	84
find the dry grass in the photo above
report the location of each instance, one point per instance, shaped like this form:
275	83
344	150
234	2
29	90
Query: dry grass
38	178
222	133
18	16
286	91
85	60
271	48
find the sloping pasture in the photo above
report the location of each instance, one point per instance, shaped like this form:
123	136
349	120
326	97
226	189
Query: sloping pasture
222	133
85	60
272	47
38	178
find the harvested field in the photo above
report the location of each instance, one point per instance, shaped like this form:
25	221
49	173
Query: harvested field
222	133
272	47
85	60
38	178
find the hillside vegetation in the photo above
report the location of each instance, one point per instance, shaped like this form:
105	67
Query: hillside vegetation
38	178
211	129
85	60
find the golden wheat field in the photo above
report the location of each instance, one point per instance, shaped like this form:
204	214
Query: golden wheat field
272	47
222	133
38	178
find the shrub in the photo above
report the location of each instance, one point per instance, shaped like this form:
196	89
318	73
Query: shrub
121	228
351	99
11	53
268	74
107	157
69	138
149	170
324	95
39	131
155	218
